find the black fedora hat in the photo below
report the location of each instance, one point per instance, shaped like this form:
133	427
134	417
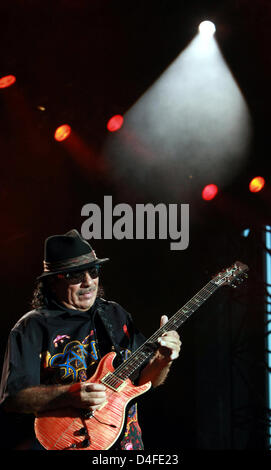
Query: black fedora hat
67	253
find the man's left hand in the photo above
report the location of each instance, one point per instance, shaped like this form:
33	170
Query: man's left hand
170	343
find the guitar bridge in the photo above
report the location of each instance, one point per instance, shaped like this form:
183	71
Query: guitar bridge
113	382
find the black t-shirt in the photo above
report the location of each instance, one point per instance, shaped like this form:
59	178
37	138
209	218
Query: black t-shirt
57	345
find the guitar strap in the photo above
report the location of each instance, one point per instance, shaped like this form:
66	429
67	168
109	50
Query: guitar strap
107	321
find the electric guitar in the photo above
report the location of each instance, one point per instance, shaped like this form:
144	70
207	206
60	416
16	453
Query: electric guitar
73	429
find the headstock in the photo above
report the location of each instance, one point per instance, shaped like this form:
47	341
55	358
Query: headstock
230	276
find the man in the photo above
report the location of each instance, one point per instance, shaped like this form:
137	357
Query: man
56	347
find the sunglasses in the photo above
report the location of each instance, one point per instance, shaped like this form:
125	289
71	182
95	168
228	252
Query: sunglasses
79	276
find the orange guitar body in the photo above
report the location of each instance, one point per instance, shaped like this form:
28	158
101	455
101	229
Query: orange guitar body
65	429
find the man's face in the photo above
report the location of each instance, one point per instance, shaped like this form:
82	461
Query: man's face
77	291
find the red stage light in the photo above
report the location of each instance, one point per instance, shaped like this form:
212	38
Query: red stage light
7	81
62	132
256	184
209	192
115	123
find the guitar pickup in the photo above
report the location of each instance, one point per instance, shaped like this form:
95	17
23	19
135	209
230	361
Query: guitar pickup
113	382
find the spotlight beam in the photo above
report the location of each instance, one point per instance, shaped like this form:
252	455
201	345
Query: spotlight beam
193	122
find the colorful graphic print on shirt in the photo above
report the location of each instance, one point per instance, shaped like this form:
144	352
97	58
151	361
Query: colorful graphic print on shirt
76	361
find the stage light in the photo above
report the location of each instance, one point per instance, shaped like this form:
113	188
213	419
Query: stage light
256	184
245	233
209	192
62	132
115	123
207	29
7	81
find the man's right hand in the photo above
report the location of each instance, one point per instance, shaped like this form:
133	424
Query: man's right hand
87	395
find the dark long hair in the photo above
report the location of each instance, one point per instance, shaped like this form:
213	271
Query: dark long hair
42	293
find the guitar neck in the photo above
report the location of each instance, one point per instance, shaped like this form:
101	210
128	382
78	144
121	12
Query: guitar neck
147	349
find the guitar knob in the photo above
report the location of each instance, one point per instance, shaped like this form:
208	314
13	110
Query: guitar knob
87	414
85	443
81	432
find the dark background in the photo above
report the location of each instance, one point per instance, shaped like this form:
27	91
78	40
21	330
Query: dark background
83	62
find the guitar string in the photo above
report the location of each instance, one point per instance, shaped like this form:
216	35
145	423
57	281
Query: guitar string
201	296
177	319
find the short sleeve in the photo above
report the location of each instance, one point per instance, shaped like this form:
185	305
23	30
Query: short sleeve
21	368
